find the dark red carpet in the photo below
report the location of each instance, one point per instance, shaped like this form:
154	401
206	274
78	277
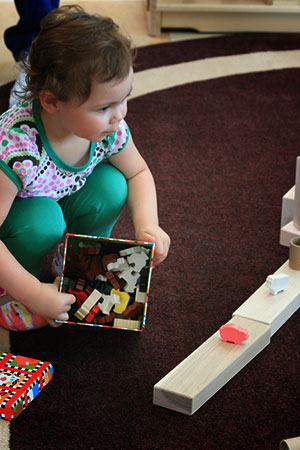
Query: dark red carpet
223	153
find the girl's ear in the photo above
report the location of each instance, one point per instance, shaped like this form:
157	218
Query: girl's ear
48	101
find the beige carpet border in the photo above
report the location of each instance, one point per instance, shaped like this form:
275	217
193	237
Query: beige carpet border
165	77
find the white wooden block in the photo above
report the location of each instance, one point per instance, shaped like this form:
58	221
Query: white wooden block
140	296
119	265
292	228
137	261
288	232
127	323
145	250
273	310
130	250
89	303
101	277
209	368
108	302
131	277
277	283
287	208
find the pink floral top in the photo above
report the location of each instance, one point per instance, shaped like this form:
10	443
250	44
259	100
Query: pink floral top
27	157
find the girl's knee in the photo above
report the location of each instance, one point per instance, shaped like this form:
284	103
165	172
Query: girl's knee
96	207
110	187
106	186
48	221
36	216
33	227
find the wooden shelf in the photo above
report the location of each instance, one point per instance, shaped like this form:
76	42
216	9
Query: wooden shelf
224	16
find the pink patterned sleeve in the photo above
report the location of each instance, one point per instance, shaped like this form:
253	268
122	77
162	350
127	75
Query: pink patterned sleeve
117	140
19	156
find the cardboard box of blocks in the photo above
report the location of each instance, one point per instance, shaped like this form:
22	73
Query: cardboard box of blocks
110	279
21	380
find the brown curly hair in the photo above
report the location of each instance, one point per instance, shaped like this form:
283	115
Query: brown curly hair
72	48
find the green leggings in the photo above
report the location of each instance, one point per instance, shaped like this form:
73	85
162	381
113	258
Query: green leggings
34	226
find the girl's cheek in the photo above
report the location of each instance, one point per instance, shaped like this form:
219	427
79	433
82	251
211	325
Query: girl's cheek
125	109
100	123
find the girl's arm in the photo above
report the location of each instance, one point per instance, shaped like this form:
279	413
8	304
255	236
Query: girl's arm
142	199
42	298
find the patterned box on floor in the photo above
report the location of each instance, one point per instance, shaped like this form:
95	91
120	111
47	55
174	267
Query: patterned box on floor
110	280
21	379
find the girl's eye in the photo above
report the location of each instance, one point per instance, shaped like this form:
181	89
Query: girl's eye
103	109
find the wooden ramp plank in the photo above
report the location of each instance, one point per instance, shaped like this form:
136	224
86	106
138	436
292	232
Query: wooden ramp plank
190	384
273	310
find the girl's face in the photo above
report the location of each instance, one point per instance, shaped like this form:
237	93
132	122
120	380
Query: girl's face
100	114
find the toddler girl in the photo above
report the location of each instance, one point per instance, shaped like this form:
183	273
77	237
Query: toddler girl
68	161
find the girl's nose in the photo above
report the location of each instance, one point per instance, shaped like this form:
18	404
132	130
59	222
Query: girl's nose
118	114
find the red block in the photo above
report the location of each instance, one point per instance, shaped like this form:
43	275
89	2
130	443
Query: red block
80	296
133	311
101	320
233	333
92	313
112	280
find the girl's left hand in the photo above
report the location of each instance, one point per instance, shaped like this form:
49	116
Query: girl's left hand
159	237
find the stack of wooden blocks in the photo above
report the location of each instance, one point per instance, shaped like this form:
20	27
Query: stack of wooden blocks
189	385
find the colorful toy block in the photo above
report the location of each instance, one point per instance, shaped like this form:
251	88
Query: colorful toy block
119	265
104	319
101	277
112	279
80	296
92	313
133	311
108	259
21	379
234	333
80	284
131	277
91	301
108	303
128	251
137	261
140	296
277	283
127	324
124	300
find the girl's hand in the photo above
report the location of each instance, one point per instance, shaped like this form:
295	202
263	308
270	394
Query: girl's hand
52	304
159	237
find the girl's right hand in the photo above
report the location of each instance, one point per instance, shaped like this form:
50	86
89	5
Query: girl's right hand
52	304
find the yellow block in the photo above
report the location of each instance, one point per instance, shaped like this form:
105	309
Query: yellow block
124	299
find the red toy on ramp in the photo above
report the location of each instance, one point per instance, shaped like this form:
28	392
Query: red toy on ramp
233	333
